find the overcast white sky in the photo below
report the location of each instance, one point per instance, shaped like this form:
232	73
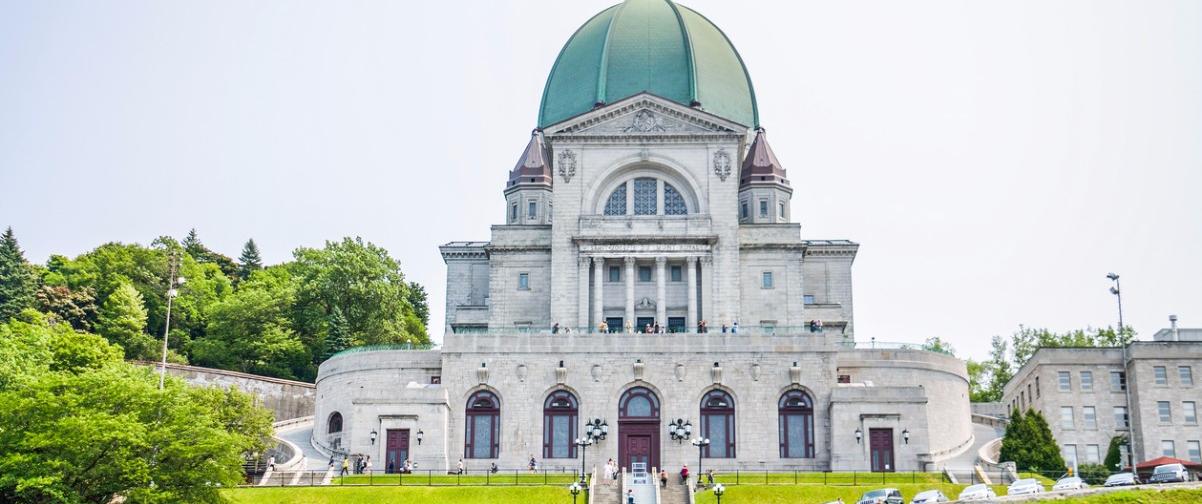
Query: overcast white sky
994	159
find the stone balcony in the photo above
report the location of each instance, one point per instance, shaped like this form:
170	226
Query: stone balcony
602	227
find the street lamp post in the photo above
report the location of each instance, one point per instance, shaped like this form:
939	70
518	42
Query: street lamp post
594	431
1118	294
700	443
173	282
583	443
680	430
718	491
574	488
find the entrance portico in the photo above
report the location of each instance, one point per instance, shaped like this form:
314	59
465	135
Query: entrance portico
630	273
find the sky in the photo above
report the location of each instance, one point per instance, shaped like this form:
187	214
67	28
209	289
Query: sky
994	159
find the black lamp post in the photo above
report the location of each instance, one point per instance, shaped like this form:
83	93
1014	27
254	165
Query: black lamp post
1118	293
574	488
419	436
906	436
718	491
700	443
680	430
373	437
594	430
583	443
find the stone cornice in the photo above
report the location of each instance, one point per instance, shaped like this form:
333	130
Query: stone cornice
511	249
685	124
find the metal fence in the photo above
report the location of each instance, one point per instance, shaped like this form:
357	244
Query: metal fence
729	477
507	477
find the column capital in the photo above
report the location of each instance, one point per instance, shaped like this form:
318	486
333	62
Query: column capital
661	260
691	260
629	261
598	260
584	260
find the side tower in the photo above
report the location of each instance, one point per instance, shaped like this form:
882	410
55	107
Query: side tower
528	191
764	191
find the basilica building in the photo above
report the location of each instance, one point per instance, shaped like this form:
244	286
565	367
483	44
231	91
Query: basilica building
648	281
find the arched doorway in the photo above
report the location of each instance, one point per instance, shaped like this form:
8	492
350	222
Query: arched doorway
638	428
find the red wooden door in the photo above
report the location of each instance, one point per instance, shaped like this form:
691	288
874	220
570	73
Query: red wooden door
880	446
638	443
396	449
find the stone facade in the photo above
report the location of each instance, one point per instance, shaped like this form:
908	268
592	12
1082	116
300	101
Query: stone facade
1090	395
648	269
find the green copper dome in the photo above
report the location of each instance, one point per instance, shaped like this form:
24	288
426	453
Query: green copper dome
655	46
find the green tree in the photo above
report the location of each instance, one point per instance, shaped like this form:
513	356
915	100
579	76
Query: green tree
80	425
364	283
978	380
249	261
122	320
198	251
998	370
339	337
937	344
75	307
1028	442
1094	474
17	280
420	302
249	331
1114	453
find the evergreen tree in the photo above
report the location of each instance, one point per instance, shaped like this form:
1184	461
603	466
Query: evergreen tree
122	320
193	246
1114	454
1045	452
1014	440
420	302
338	336
249	260
17	281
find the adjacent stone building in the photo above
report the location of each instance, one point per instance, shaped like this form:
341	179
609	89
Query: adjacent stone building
1146	390
649	273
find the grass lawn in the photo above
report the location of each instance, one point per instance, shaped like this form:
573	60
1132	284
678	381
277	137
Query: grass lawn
522	478
1143	497
408	494
808	494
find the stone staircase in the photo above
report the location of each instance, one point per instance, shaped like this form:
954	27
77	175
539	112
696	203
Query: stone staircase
607	491
674	492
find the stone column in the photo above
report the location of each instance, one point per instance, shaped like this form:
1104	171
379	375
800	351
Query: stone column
582	298
630	271
661	290
707	293
691	271
598	292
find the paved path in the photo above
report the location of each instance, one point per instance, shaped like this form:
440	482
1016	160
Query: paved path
299	435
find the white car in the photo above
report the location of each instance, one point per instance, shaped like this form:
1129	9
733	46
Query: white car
1169	473
929	497
1121	479
1070	483
980	492
1026	486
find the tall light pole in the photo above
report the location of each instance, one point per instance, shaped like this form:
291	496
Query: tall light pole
700	443
173	281
1118	294
594	431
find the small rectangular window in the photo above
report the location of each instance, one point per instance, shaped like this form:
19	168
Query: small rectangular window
1118	381
532	209
677	273
1195	451
1070	454
1093	454
1066	417
743	210
1038	393
615	274
766	280
1087	381
1090	416
781	208
1190	410
1164	410
1066	381
1162	375
1120	417
763	208
807	299
1187	375
523	281
435	380
1168	449
644	273
513	212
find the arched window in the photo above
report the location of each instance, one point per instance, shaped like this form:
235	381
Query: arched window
673	201
483	426
559	425
616	204
334	426
644	196
718	424
796	425
638	402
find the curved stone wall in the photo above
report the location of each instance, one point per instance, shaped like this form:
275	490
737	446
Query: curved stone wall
287	399
944	379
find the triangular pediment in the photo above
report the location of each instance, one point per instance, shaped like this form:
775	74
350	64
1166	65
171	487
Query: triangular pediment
645	115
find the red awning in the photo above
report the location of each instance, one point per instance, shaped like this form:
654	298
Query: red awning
1151	464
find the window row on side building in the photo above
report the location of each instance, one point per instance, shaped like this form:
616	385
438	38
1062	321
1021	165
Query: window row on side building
1149	396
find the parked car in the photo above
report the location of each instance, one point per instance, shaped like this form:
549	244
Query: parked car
1070	483
929	497
1025	486
979	492
882	496
1169	473
1121	479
